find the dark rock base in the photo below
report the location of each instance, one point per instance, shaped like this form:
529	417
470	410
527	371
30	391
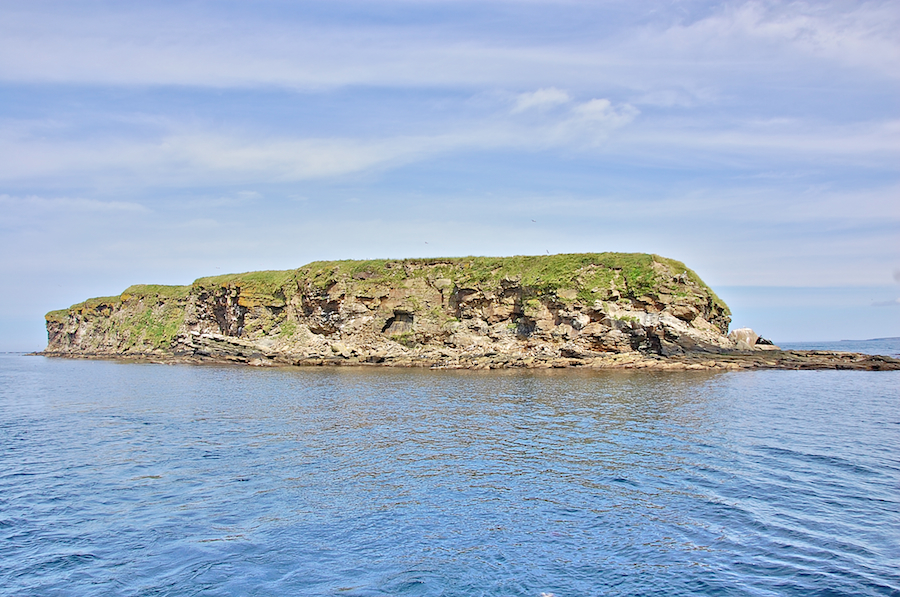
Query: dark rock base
735	361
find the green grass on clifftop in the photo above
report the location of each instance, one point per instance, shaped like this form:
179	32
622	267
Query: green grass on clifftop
587	275
155	290
262	287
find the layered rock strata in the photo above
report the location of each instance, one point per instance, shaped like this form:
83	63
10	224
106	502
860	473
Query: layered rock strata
594	310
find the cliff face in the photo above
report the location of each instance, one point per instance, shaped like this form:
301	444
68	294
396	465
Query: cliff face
415	311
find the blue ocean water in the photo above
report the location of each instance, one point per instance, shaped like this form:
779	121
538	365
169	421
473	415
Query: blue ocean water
139	479
885	346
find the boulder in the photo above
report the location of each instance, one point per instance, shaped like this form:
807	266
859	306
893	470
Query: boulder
745	335
747	339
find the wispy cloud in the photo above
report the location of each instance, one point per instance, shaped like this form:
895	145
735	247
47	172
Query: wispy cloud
136	44
751	143
10	204
894	303
190	156
865	35
603	114
755	36
197	157
541	99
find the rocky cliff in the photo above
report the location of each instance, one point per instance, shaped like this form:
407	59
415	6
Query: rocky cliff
596	309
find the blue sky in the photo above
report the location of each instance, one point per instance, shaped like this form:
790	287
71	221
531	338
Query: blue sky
157	142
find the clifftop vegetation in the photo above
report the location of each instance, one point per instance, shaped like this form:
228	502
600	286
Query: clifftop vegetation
592	276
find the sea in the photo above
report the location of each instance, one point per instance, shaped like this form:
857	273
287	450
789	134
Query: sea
145	479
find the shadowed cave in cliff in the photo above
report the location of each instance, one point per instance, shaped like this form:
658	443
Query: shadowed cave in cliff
400	323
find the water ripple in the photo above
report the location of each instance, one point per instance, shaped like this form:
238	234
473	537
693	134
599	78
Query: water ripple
133	479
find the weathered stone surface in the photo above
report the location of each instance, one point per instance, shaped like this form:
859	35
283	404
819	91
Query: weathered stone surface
587	310
747	339
745	335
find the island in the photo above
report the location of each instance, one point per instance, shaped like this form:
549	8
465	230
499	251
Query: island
588	310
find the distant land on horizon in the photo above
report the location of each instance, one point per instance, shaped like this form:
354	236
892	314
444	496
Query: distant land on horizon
847	340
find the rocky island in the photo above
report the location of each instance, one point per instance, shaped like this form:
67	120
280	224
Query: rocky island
595	310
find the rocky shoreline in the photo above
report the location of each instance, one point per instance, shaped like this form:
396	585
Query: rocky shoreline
586	310
737	361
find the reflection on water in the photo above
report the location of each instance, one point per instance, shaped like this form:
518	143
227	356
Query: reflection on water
136	479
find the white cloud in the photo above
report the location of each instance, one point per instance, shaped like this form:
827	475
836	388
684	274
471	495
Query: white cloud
669	97
541	99
181	156
865	35
134	44
201	157
764	38
602	112
32	203
753	144
893	303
